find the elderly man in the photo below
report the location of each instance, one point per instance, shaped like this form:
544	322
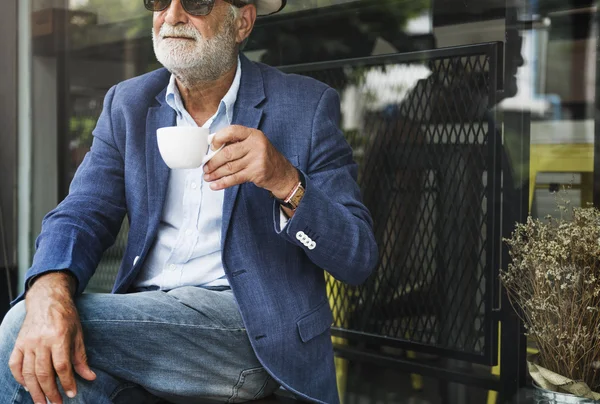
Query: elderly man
221	295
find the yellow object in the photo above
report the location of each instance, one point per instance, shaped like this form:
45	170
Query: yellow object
334	288
563	158
415	380
493	395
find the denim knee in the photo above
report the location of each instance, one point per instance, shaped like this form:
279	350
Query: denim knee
10	327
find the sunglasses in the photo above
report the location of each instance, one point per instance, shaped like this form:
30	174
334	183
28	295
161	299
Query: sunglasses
192	7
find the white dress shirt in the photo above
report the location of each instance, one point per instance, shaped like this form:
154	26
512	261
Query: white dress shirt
187	251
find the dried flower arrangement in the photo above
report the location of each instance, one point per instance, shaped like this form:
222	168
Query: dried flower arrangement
554	283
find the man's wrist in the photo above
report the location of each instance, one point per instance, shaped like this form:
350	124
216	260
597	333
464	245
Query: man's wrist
292	180
59	278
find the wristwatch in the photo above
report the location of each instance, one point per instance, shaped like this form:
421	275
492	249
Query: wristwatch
295	196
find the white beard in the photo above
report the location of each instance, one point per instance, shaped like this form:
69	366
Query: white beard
197	59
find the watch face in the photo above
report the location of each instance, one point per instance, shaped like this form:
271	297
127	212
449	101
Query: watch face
297	197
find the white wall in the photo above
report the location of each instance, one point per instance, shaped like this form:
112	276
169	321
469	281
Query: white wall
44	191
8	128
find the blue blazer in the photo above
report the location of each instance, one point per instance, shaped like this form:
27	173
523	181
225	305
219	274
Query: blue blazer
277	280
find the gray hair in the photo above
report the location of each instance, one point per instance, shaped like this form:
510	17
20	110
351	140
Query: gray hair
236	14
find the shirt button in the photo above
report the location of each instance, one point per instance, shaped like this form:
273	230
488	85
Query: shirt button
172	267
188	232
194	185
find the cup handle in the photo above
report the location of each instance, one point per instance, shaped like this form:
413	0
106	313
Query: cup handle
211	153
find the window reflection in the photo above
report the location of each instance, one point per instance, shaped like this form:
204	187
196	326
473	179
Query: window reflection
110	11
342	31
558	86
83	47
295	6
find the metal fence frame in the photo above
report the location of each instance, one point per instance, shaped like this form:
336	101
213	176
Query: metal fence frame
504	208
502	216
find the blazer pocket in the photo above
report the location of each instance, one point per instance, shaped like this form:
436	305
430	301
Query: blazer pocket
316	322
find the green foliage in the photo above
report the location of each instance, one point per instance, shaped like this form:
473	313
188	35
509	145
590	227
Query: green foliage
110	11
398	11
81	129
355	139
401	10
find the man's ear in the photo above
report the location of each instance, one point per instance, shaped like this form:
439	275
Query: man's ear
245	22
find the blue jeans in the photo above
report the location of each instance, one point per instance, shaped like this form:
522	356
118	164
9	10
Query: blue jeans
187	345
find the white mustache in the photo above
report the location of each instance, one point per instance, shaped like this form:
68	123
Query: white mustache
181	31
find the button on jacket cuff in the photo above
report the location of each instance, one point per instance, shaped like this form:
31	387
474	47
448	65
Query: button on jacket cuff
333	230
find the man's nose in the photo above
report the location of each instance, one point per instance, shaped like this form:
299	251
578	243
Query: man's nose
176	14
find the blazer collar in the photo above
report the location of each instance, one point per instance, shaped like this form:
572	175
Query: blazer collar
248	112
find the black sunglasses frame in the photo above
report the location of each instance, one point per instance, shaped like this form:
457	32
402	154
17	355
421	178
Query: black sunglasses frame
209	6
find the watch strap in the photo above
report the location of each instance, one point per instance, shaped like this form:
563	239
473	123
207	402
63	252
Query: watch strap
295	196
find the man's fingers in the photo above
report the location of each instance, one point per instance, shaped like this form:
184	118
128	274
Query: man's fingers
230	134
230	152
15	363
227	169
80	362
238	178
31	382
61	359
46	377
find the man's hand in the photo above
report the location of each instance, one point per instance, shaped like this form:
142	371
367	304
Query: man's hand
249	157
50	342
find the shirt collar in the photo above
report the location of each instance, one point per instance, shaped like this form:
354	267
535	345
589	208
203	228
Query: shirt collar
174	100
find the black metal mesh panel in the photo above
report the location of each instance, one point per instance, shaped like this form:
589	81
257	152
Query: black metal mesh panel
425	144
422	133
104	277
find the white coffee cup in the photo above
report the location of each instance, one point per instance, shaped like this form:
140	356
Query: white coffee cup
185	146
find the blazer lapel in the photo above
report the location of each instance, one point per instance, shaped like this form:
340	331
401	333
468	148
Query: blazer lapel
157	173
248	113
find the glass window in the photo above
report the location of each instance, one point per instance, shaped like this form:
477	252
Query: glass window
395	95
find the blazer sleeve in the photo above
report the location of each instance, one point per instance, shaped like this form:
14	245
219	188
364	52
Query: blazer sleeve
332	214
77	232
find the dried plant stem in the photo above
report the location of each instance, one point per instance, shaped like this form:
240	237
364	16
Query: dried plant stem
554	283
